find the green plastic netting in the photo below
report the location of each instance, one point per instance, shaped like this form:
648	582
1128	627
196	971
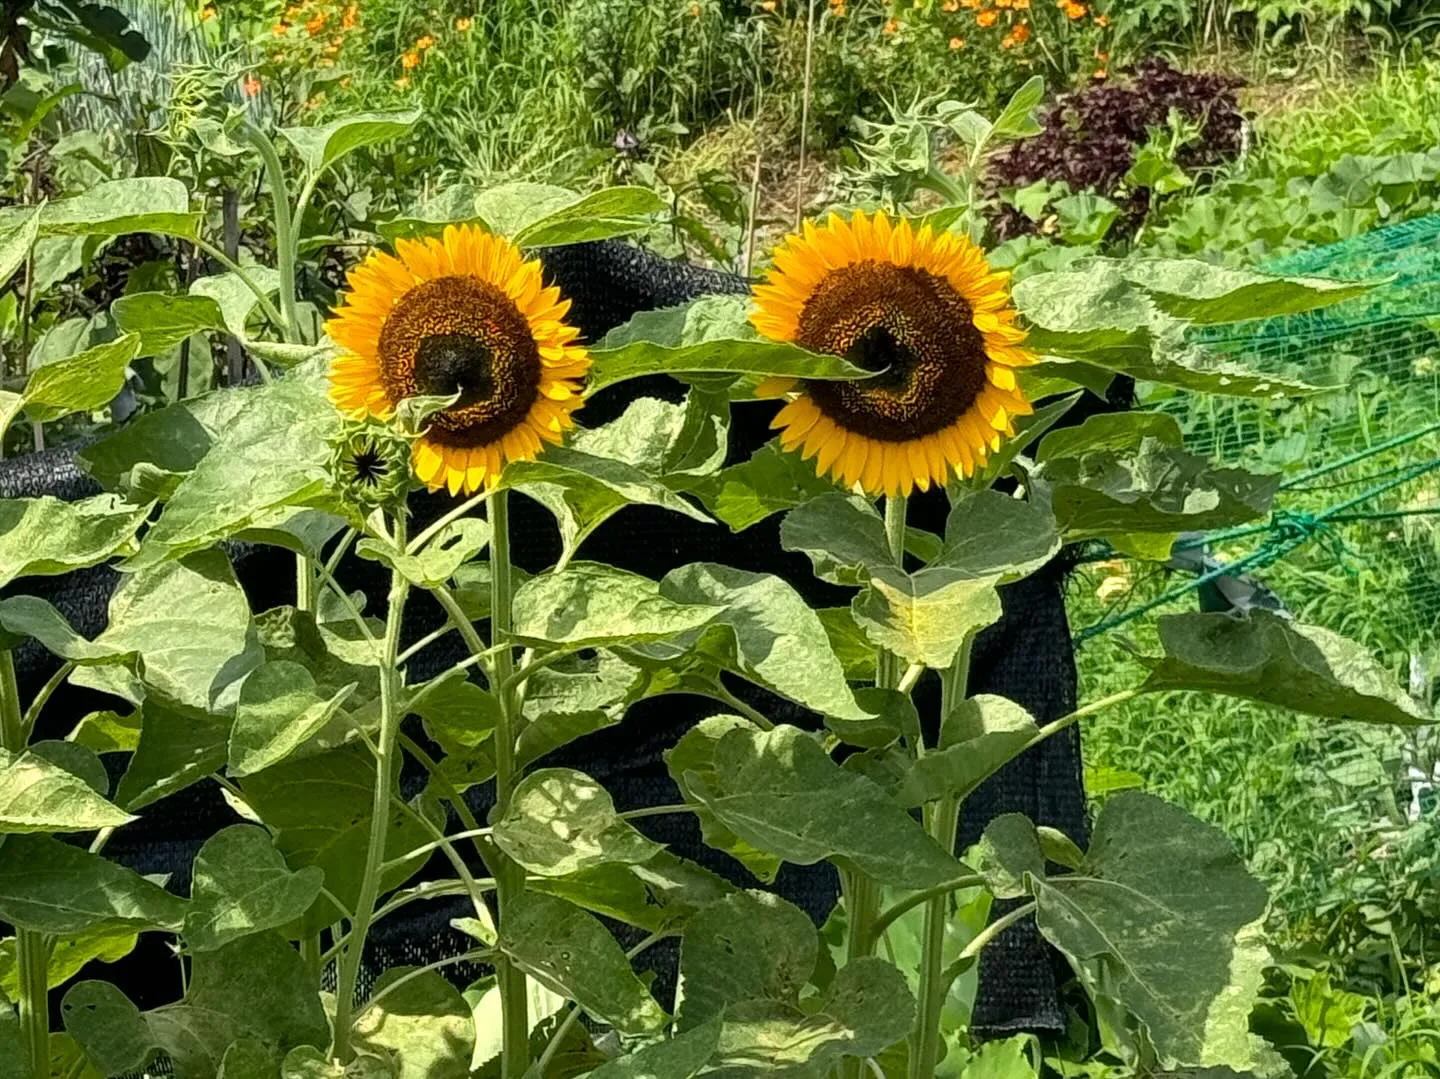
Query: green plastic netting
1355	542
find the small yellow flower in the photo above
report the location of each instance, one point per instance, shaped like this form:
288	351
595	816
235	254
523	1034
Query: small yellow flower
351	18
957	42
280	29
694	11
424	43
891	26
1112	588
1102	20
402	82
410	61
345	82
768	5
986	19
207	13
464	23
315	25
950	5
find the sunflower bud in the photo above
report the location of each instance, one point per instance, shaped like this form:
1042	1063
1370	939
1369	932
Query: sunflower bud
370	464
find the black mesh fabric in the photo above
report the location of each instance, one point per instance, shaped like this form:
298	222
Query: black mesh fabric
1027	656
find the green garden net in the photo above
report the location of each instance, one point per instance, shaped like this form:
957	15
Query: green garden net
1355	540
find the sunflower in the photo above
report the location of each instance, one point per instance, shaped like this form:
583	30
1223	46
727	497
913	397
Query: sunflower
923	311
463	314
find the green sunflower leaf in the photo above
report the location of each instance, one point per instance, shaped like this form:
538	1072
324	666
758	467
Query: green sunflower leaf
322	146
709	336
592	605
601	215
779	791
1153	488
162	321
561	821
565	948
924	617
241	885
54	887
158	204
84	382
18	233
771	481
1264	657
37	795
45	536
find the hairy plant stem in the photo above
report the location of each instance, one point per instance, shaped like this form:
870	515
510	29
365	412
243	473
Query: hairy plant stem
942	821
509	876
861	893
284	229
32	953
385	759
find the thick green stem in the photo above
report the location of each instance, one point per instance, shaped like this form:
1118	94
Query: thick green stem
245	279
284	229
509	877
385	761
943	819
32	954
862	895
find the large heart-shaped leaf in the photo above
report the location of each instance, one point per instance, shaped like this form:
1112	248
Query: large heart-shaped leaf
53	887
709	336
569	950
322	146
592	605
560	821
37	795
45	536
271	455
280	709
186	620
241	885
925	617
981	735
600	215
1155	488
842	535
1264	657
84	382
991	534
771	481
115	207
780	791
420	1023
162	321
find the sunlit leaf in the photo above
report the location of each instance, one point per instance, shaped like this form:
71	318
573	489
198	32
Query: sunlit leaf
241	885
178	747
780	791
1261	656
423	1026
322	146
601	215
18	233
37	795
842	535
186	620
560	821
457	542
989	533
771	481
711	336
924	617
53	887
234	297
1117	431
157	204
162	321
570	951
1155	488
46	536
680	1057
985	733
592	605
84	382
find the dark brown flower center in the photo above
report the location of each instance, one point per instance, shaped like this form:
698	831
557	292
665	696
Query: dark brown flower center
913	328
462	335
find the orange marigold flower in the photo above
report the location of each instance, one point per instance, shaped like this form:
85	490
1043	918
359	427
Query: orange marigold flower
950	5
424	42
1002	3
410	60
1021	33
280	29
971	3
315	25
837	8
1020	5
402	82
986	19
251	86
1102	56
351	18
1101	73
768	5
957	42
1075	11
891	25
207	13
464	23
